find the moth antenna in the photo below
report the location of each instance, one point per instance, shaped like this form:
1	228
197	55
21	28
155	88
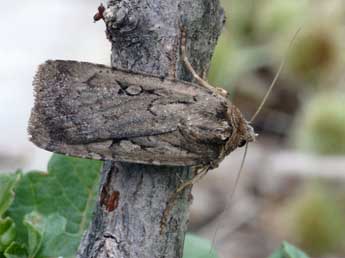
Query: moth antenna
281	67
230	196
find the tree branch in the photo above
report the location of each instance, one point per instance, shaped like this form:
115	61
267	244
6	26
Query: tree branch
139	213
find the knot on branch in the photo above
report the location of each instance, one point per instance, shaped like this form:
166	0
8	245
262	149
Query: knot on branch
121	18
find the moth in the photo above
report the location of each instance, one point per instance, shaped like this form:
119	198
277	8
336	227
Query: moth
93	111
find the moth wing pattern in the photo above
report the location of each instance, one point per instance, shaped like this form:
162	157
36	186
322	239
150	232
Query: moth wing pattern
94	111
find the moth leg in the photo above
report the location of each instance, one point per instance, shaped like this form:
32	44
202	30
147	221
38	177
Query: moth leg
190	68
199	175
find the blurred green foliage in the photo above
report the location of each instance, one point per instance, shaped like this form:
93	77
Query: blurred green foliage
288	251
255	39
318	220
46	214
196	247
257	33
314	57
251	30
321	126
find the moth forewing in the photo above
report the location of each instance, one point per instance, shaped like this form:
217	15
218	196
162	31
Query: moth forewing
93	111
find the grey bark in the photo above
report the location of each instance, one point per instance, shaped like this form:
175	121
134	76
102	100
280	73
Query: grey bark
139	213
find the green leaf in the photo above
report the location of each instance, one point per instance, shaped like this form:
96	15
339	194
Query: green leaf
7	233
288	251
69	188
7	185
196	247
35	227
47	236
16	251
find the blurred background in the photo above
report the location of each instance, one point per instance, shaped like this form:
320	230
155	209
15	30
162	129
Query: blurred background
292	185
31	33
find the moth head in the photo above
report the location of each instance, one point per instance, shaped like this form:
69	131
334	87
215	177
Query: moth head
242	131
248	136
